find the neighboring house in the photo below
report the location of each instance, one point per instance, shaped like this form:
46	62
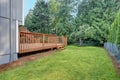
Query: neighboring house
11	16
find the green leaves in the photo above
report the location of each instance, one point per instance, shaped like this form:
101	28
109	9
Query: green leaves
28	20
85	20
38	19
98	14
114	36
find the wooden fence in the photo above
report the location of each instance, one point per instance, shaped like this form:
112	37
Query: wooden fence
29	42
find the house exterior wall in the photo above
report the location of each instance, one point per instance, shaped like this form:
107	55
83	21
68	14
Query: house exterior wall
11	15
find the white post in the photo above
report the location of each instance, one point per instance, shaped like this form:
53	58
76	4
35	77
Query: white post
17	37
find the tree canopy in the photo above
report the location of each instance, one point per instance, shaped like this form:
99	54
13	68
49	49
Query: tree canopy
79	20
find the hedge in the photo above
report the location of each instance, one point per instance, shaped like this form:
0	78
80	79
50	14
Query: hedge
114	35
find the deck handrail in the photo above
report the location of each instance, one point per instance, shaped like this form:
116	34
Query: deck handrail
28	40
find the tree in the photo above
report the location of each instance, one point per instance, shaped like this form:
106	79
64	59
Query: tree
98	14
114	35
41	17
38	19
62	18
79	20
28	20
53	8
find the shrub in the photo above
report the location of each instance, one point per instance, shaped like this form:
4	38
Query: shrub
114	35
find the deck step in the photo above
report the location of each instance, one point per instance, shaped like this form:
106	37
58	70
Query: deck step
60	47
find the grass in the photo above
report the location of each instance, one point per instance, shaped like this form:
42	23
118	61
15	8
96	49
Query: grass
73	63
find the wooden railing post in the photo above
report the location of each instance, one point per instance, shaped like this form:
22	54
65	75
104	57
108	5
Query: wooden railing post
48	39
28	40
62	40
19	42
43	40
66	40
56	39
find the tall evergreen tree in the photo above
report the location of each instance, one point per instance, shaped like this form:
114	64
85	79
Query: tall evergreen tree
114	35
98	14
39	17
28	20
92	22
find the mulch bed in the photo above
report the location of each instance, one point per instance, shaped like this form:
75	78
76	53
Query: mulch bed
28	57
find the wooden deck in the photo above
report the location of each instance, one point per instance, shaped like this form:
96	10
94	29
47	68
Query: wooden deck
29	42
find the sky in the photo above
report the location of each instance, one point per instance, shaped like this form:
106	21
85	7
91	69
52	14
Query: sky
28	4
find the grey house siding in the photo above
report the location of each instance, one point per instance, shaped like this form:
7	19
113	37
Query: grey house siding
11	15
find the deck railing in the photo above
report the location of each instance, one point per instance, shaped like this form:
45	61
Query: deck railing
29	42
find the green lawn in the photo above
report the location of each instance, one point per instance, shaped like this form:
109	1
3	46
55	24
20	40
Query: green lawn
73	63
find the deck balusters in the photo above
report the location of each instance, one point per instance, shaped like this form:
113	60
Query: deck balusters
29	42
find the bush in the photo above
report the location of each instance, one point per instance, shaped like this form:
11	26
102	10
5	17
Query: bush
114	36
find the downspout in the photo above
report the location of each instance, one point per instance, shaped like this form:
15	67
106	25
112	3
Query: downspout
10	30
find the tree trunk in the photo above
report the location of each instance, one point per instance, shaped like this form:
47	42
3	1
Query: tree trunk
80	41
